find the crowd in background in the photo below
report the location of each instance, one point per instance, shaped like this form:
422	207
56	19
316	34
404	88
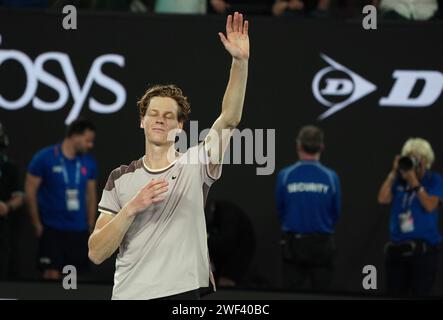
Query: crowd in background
388	9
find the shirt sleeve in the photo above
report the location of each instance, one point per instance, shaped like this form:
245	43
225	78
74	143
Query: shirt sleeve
37	166
395	186
109	202
436	187
209	176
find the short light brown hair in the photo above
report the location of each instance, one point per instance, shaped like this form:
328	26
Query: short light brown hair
311	139
170	91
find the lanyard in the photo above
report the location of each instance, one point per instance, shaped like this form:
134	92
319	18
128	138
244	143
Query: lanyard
407	200
65	172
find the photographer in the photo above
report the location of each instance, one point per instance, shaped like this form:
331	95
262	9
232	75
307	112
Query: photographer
415	192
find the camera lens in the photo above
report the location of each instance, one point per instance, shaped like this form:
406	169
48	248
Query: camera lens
405	163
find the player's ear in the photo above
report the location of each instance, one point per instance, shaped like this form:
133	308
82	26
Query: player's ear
141	123
180	125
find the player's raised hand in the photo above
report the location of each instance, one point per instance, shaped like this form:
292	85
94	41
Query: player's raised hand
236	41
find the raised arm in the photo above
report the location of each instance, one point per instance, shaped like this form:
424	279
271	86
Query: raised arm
236	42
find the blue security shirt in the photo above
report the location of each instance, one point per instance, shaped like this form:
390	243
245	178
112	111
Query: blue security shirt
308	198
425	223
51	196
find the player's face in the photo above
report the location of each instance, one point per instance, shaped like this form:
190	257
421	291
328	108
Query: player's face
84	142
161	121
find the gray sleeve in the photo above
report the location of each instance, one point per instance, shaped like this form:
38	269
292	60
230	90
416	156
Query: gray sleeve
208	176
110	203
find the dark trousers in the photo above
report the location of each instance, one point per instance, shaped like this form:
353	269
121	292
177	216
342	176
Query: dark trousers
413	275
60	248
308	261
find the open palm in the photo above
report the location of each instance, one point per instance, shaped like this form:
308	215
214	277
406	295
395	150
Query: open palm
236	41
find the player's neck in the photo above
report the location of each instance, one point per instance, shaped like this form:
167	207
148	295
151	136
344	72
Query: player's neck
68	149
303	156
158	157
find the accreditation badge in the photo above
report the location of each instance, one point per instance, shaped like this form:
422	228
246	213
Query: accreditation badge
406	222
72	200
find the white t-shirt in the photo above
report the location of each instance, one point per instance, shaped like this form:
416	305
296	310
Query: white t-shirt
164	252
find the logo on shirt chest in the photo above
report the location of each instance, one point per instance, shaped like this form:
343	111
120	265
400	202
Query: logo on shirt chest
57	169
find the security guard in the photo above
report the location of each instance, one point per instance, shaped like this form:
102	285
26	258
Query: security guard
308	201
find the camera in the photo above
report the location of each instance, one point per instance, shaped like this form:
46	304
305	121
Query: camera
407	163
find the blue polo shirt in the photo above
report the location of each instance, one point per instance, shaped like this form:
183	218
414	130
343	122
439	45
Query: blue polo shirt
308	198
48	164
425	223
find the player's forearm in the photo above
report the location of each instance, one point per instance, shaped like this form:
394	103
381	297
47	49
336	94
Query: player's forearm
105	241
234	97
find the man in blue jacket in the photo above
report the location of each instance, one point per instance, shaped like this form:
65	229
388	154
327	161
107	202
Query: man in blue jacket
308	201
